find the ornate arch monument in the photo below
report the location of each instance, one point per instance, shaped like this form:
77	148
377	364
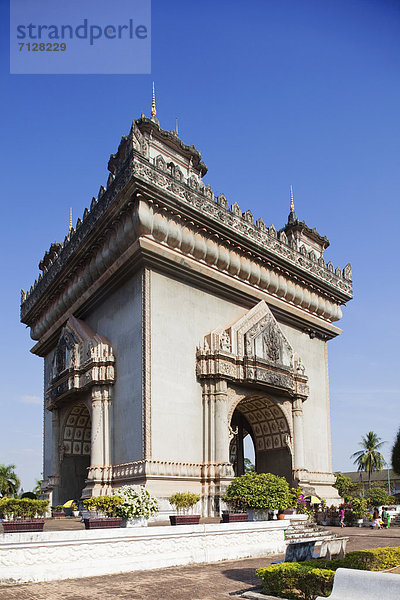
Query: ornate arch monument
172	325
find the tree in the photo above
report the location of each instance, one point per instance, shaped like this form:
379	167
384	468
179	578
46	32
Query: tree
378	496
369	458
396	454
248	466
343	485
9	482
37	489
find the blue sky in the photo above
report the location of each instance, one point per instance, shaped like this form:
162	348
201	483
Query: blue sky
273	93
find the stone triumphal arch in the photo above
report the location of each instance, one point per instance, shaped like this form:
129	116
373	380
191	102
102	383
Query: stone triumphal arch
172	325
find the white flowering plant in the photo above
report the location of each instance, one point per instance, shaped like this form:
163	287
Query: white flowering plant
137	502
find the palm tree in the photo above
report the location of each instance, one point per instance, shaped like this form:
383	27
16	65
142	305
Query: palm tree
9	482
369	459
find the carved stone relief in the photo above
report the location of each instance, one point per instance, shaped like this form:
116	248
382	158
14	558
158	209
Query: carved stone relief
82	359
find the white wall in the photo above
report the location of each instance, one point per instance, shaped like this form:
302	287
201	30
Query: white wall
317	445
181	315
71	554
119	319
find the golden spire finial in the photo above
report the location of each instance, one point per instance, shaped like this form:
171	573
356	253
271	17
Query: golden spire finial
70	220
153	104
291	200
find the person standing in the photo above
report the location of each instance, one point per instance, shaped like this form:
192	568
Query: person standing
341	515
384	516
376	521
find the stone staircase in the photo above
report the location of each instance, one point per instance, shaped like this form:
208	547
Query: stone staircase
395	521
302	531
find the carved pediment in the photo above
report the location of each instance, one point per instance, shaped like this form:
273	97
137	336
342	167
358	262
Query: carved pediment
253	349
82	358
257	334
265	341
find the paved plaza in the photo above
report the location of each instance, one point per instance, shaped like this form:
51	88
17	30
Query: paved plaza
216	581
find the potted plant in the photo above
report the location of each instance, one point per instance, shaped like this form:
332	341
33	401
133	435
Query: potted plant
105	509
182	502
137	507
260	494
295	493
359	507
57	511
23	514
70	508
237	512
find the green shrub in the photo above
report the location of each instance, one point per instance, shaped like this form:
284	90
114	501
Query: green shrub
58	508
378	496
24	508
259	491
359	506
108	505
313	578
375	559
296	580
184	500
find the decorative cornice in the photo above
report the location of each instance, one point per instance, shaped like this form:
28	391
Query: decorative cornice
184	216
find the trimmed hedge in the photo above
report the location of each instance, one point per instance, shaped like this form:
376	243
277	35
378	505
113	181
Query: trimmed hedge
375	559
294	580
312	578
23	508
108	505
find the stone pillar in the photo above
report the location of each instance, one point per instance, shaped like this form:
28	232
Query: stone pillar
100	470
221	436
51	483
55	439
298	434
216	466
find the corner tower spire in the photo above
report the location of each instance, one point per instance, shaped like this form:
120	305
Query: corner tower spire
292	219
70	220
153	106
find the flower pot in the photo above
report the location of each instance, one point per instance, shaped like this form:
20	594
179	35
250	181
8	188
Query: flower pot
360	522
57	514
280	517
229	517
22	525
135	522
184	519
258	515
102	522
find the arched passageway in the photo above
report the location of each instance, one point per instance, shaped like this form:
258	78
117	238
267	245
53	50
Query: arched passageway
74	453
262	419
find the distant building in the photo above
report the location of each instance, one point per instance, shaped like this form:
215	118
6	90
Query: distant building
386	478
172	325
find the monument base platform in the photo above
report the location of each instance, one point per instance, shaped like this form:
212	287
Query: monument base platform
56	555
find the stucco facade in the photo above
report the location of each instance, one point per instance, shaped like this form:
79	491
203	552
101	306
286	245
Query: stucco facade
172	326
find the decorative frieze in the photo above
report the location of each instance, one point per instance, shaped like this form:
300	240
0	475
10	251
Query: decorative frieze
155	468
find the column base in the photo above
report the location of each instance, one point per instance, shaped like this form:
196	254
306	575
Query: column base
98	482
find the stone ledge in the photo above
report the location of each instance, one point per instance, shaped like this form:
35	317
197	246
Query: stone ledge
72	554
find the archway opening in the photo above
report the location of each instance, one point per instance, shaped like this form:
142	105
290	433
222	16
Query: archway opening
261	419
75	453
